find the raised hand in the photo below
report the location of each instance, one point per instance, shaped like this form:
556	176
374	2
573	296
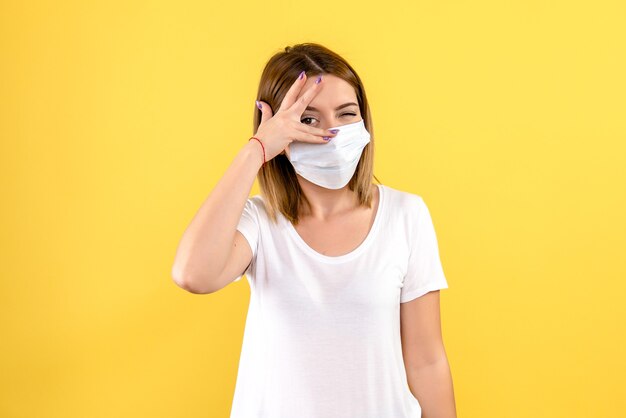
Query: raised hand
277	131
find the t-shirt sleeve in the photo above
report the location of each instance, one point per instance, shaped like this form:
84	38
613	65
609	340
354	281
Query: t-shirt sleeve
425	272
249	228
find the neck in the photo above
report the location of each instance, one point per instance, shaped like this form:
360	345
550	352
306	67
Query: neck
326	203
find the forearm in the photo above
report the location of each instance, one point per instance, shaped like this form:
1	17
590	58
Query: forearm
432	386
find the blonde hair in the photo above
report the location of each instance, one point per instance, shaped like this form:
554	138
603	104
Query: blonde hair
277	178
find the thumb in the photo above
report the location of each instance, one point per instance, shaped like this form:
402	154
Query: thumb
266	110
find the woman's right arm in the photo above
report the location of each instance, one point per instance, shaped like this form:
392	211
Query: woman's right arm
211	249
211	252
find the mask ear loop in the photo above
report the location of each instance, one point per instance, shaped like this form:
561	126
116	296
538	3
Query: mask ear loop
262	146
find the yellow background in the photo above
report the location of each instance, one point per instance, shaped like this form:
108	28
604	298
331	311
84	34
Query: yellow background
118	118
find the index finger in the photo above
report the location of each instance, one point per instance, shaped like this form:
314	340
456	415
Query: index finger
293	92
300	105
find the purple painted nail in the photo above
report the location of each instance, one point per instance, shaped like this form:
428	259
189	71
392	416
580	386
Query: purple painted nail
319	79
334	131
301	75
326	138
258	105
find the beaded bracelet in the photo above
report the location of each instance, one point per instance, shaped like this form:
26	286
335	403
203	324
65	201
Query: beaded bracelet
262	146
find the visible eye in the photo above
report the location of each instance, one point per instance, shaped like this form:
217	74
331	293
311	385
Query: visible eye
342	115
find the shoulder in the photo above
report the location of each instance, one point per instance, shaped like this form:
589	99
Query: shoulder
402	201
405	212
256	203
257	200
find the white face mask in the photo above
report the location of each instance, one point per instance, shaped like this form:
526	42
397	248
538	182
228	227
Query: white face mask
331	165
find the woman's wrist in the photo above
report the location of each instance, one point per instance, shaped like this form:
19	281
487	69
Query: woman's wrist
262	146
254	152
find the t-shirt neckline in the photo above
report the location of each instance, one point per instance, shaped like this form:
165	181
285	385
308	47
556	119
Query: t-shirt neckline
352	254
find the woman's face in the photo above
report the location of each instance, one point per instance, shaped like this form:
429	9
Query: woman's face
334	105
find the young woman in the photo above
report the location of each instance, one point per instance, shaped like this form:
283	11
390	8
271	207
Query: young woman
344	274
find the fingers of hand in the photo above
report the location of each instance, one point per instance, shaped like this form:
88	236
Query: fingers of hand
300	105
319	133
293	92
308	137
266	111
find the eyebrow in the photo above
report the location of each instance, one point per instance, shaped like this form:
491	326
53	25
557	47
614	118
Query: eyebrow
311	108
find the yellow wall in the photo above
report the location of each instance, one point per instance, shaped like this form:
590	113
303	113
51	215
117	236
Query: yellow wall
117	119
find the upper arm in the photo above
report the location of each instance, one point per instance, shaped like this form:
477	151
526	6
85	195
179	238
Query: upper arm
424	269
420	321
239	260
245	244
420	328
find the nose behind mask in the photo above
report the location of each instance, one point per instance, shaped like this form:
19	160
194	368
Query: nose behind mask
332	164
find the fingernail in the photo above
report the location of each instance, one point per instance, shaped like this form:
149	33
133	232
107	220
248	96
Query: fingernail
319	79
333	131
258	105
326	138
301	75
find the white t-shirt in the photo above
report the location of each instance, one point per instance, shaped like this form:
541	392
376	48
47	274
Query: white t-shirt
322	335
